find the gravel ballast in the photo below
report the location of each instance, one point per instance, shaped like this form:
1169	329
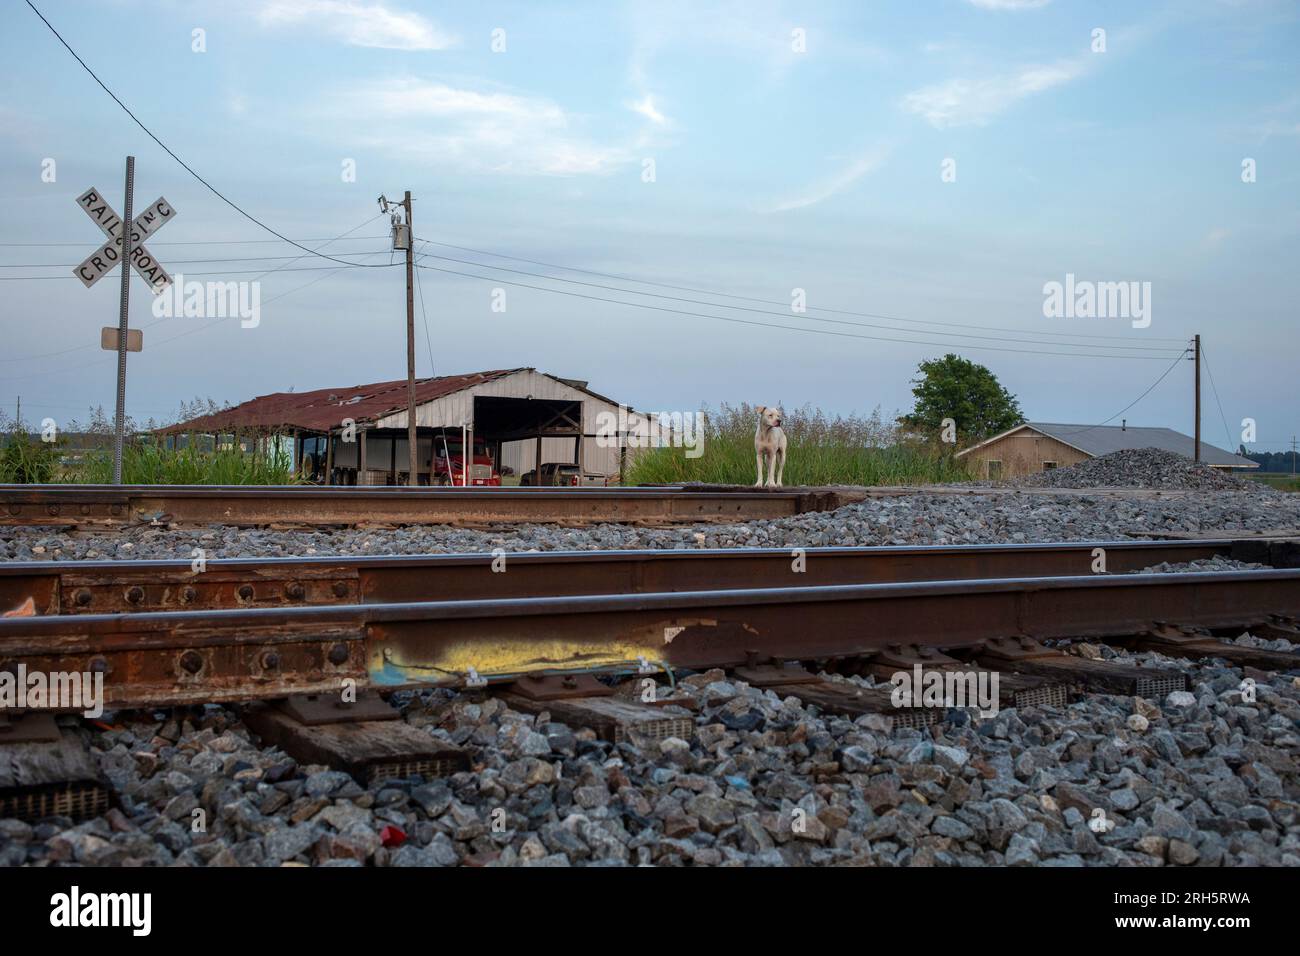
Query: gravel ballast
1204	778
1226	504
918	519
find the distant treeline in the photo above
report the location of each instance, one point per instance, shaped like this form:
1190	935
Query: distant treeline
1271	460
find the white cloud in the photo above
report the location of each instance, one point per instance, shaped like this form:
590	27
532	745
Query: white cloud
358	23
403	98
851	173
1215	237
480	130
1009	4
646	107
964	102
757	33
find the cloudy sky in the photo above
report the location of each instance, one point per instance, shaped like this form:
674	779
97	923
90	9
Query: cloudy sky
923	169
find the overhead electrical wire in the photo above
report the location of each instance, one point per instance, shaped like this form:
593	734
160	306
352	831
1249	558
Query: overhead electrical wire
187	242
813	318
428	342
771	325
1227	432
216	322
179	262
220	272
267	272
748	298
184	165
1150	389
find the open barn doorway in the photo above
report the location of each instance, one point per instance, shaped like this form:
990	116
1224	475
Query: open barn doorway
524	433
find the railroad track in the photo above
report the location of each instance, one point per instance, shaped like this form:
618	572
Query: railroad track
270	629
111	506
287	639
108	507
80	587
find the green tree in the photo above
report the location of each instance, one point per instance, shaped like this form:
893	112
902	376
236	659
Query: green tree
969	394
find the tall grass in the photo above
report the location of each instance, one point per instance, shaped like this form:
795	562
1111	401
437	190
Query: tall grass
843	450
25	460
1281	482
87	456
150	464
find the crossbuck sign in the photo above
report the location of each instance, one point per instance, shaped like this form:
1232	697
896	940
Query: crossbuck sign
102	261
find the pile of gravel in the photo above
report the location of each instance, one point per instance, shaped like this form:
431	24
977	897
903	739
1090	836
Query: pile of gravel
1203	778
1139	468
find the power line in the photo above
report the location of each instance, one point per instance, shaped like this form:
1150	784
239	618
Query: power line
187	242
178	262
771	325
1150	389
1227	433
213	324
747	298
328	270
223	272
744	308
428	343
212	189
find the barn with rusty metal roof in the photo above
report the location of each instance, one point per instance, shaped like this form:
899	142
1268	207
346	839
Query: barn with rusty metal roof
358	434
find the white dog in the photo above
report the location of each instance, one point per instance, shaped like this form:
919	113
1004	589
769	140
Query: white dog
769	444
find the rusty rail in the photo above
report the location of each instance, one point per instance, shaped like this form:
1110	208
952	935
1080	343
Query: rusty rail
108	506
157	658
80	587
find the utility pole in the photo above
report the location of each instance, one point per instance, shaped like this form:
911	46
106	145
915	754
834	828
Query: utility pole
1197	359
410	341
19	420
1293	456
404	238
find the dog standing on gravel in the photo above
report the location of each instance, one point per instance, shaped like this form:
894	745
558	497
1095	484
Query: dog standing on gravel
769	445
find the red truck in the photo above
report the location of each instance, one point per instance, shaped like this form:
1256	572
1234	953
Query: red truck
449	463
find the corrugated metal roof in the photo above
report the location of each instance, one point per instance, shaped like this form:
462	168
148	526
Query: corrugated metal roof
325	408
1098	440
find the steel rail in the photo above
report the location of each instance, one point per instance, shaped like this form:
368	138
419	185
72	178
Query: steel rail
245	505
173	657
79	587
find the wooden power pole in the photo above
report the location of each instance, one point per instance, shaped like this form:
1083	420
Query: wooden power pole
411	440
1197	358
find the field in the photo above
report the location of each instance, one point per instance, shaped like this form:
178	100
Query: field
1278	480
852	450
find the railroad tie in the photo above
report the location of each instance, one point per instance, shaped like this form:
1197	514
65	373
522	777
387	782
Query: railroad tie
1198	643
371	750
1014	689
1026	656
47	771
582	701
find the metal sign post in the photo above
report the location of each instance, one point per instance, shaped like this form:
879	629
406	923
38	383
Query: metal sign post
123	323
123	246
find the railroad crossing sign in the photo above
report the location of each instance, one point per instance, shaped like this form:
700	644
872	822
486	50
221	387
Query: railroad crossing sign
103	260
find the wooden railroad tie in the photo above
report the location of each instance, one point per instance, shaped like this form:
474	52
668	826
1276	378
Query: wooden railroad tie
47	771
366	739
